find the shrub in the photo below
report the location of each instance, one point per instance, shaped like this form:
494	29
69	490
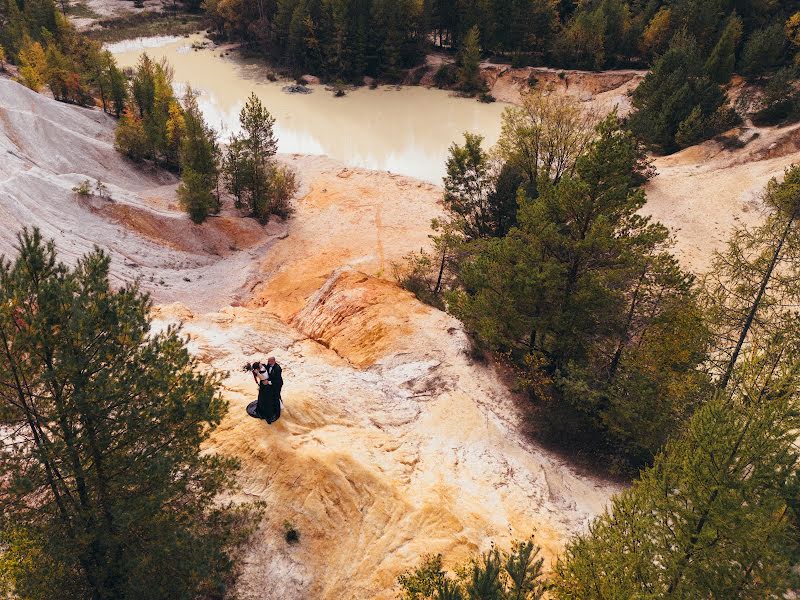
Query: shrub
130	138
84	188
446	76
291	534
284	187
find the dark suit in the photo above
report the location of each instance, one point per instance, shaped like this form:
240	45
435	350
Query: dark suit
274	374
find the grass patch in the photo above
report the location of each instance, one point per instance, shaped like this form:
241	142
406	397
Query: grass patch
146	24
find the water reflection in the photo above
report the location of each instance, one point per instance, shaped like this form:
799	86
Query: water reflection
405	131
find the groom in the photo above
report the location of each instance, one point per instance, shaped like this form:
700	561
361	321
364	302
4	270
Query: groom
275	381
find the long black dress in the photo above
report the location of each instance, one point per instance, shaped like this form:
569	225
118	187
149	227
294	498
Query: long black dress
269	395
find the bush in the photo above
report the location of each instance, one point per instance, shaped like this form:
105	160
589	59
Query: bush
291	534
195	196
763	51
446	76
84	188
486	98
284	187
782	111
130	138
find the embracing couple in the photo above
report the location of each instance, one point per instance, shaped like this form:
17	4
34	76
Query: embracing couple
269	380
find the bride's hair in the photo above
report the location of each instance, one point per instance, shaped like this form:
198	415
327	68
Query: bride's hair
251	367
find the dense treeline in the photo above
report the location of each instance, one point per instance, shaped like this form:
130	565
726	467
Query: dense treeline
545	257
705	377
106	491
693	47
49	51
349	38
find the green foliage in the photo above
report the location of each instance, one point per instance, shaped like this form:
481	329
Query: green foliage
249	167
446	76
543	138
676	94
481	202
720	64
469	189
469	59
49	51
763	52
199	157
780	102
130	138
84	188
752	291
494	575
107	493
347	39
154	125
712	509
195	195
584	299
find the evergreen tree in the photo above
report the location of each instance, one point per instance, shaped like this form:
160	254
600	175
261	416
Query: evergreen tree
710	519
469	59
118	89
106	492
494	575
720	64
752	289
584	298
763	52
672	91
260	145
199	162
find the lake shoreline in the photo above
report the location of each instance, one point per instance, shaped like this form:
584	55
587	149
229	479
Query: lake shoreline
405	130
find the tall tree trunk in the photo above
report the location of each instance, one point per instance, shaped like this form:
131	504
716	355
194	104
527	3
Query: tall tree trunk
748	322
612	368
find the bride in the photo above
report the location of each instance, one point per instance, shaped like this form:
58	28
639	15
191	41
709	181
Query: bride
267	407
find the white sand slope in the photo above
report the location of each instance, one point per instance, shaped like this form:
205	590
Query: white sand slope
47	148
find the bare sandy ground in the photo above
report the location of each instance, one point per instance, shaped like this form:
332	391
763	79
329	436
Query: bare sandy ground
705	191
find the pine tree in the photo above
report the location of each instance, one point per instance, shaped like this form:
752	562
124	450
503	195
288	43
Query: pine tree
107	494
720	64
494	575
710	519
118	89
763	52
260	144
752	290
199	162
674	88
469	58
